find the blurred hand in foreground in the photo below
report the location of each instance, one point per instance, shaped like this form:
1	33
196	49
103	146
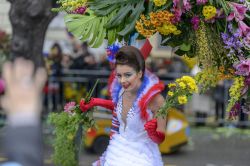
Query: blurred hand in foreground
24	86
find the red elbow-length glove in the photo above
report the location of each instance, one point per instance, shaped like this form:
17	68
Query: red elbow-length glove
157	136
96	102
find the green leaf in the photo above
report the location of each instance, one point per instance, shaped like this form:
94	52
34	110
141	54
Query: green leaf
136	12
95	28
99	4
119	17
111	36
104	19
128	11
165	40
225	6
107	11
87	27
247	16
185	47
91	91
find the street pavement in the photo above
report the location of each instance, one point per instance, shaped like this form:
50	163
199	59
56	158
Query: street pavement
206	147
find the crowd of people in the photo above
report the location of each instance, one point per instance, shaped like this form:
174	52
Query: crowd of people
82	59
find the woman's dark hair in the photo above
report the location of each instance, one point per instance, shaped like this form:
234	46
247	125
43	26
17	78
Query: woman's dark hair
58	47
131	56
58	56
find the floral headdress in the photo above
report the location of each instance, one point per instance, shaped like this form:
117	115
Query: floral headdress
112	50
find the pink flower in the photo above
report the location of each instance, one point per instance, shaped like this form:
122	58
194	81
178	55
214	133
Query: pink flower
2	86
246	40
80	10
178	9
244	29
239	11
234	112
177	15
201	2
195	22
69	107
243	68
247	81
186	5
176	2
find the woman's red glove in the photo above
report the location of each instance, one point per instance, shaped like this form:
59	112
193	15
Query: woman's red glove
156	136
96	102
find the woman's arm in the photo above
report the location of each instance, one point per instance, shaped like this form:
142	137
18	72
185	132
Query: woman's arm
156	127
156	103
96	102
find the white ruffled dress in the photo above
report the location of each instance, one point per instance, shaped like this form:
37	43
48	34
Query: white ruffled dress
131	146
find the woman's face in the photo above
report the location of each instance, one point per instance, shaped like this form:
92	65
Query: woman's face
128	77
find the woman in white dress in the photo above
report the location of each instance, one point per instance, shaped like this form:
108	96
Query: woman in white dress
135	93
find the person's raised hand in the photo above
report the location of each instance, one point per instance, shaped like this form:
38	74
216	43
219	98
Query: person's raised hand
23	87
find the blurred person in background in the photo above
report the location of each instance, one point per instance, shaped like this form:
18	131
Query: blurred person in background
22	104
84	60
219	97
159	67
54	87
177	65
66	61
54	59
104	64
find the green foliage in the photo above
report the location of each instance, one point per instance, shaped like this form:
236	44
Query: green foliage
65	132
105	20
207	78
66	127
69	128
137	10
87	27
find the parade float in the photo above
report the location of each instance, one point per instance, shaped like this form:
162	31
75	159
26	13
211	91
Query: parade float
216	32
